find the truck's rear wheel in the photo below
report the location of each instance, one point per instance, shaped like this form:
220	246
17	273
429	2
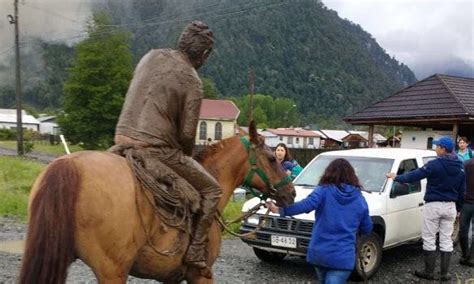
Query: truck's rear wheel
369	256
268	256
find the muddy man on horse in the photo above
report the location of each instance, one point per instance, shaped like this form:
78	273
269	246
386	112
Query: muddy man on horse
161	111
90	205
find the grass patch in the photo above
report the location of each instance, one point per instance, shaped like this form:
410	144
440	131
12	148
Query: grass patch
44	147
231	212
16	178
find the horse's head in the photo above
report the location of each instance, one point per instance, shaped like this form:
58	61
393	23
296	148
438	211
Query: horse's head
265	172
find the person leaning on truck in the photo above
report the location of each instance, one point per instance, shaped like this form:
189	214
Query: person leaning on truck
340	211
444	197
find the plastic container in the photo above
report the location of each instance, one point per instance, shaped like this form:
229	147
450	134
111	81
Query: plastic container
239	194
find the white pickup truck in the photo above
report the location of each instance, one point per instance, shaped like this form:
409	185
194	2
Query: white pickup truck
395	209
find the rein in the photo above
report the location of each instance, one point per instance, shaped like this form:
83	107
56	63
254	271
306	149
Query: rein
225	225
255	170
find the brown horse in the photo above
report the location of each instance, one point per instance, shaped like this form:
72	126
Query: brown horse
86	205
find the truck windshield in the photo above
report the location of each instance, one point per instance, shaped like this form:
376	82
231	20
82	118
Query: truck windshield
370	171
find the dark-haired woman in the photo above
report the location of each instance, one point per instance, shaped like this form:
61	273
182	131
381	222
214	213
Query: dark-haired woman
289	165
341	211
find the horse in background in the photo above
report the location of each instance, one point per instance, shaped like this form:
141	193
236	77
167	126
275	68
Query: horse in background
87	205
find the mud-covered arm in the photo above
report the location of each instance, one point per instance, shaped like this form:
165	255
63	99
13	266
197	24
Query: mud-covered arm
190	119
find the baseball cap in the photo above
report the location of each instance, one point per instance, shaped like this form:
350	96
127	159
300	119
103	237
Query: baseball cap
445	142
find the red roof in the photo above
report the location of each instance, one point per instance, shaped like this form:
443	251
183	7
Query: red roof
218	109
293	132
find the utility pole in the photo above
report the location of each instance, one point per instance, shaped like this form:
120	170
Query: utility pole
251	81
19	124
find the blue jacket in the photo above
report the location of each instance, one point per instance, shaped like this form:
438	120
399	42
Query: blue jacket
340	214
445	179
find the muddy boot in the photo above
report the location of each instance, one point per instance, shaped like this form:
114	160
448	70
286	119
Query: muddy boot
445	259
430	263
195	257
196	254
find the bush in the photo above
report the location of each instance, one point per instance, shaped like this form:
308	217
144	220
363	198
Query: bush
7	134
28	146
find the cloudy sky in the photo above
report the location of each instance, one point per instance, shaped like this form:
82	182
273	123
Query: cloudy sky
430	36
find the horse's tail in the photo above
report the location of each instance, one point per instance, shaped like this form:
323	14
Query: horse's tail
49	248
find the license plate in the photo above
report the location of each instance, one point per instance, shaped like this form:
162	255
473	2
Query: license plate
282	241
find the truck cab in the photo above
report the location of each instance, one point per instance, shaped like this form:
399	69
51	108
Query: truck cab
395	208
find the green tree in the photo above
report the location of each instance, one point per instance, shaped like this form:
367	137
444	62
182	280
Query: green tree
268	112
209	89
95	88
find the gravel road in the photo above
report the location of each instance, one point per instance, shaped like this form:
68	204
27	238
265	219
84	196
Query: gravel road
238	264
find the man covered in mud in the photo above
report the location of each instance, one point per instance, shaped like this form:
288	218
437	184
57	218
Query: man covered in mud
161	110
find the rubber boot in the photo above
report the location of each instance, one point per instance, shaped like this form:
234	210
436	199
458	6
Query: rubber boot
464	244
430	263
445	259
470	257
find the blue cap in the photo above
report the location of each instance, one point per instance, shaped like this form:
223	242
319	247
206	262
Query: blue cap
446	142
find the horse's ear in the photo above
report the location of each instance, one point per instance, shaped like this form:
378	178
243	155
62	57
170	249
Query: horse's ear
253	133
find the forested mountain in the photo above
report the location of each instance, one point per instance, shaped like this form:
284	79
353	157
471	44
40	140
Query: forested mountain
297	49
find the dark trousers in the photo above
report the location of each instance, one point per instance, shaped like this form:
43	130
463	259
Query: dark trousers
467	216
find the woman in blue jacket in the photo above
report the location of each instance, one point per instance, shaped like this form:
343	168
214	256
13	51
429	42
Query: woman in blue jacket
341	212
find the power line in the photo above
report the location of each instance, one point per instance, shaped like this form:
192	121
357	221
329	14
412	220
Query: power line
51	13
211	14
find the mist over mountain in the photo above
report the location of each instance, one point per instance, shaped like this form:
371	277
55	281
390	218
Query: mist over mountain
297	49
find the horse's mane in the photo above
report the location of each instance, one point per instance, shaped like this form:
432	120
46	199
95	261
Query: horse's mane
210	150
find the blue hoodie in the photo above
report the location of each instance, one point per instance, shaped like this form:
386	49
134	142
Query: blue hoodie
446	179
339	214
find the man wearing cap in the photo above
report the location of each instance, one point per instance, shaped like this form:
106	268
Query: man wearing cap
444	197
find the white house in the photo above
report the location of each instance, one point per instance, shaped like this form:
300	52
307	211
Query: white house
217	121
48	125
271	139
8	120
297	137
422	139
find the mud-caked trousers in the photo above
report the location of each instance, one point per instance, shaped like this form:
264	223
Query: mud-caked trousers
205	184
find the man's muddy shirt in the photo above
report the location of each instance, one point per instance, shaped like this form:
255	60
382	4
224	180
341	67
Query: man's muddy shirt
163	101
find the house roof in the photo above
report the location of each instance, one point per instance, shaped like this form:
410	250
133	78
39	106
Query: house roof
263	132
218	110
320	134
336	135
438	96
293	132
46	118
376	137
354	135
9	116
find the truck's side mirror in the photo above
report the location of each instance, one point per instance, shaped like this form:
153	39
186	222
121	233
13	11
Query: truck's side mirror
399	189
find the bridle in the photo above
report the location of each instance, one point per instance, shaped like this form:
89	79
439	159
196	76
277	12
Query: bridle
255	170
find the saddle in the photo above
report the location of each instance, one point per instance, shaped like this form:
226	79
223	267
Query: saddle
174	199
